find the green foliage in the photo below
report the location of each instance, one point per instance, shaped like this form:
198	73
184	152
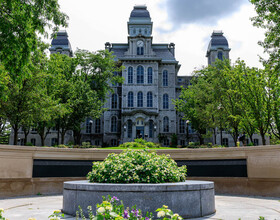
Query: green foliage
139	143
268	13
111	208
234	98
57	214
136	166
21	22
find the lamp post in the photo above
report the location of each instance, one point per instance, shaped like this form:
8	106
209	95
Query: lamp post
90	124
221	130
187	130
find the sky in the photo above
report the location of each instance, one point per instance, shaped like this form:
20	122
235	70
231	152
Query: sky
187	23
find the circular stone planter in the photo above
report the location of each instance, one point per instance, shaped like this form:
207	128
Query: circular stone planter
189	199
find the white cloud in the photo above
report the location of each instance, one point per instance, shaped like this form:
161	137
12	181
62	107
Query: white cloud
92	23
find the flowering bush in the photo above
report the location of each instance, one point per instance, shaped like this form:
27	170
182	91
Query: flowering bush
137	166
110	209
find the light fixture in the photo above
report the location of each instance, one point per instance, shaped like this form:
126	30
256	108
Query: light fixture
124	127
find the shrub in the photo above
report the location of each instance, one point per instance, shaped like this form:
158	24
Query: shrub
174	140
139	143
137	166
29	144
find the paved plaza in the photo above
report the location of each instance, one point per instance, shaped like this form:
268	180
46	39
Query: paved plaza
228	207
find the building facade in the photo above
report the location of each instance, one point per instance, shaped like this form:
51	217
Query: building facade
141	107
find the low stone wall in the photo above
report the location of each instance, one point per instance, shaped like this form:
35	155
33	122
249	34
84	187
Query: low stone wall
263	168
191	199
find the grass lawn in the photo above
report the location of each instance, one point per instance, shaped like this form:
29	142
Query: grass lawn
154	148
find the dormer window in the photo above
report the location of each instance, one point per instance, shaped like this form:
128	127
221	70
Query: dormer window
140	47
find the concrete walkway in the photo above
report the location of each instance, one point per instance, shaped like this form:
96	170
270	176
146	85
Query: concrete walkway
228	207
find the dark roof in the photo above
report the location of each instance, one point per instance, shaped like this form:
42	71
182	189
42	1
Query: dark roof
164	54
118	52
218	40
140	11
61	39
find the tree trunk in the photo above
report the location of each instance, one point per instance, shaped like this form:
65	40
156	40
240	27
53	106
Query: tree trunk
221	136
201	139
235	136
25	136
15	127
42	139
77	137
62	135
58	133
215	136
251	138
263	137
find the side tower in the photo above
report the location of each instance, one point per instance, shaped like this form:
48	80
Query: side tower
217	48
61	44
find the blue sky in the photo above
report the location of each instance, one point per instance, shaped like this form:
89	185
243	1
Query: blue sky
187	23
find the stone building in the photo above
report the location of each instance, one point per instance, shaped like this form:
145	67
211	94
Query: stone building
142	105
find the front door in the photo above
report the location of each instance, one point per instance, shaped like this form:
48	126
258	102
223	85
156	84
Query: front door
140	132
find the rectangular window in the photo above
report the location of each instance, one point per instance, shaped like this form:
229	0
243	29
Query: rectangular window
225	142
256	142
97	142
97	126
54	141
33	141
129	129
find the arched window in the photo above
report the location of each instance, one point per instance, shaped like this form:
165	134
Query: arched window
140	74
165	78
149	99
130	99
114	124
88	125
151	129
97	126
165	101
114	101
220	55
150	75
140	99
165	124
181	126
129	128
130	75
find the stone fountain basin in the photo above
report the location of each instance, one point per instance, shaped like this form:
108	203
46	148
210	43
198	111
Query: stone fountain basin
190	199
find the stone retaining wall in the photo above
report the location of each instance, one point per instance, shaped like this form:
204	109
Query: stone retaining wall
263	168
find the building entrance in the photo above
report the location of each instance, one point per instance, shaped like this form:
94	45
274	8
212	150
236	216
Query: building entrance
139	131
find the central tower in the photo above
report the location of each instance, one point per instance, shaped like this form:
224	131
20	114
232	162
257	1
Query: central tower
140	22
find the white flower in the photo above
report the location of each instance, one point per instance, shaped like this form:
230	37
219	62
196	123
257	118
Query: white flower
109	208
161	214
101	210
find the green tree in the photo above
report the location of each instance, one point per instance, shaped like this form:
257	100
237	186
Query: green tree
256	99
92	83
268	13
21	22
212	101
80	85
